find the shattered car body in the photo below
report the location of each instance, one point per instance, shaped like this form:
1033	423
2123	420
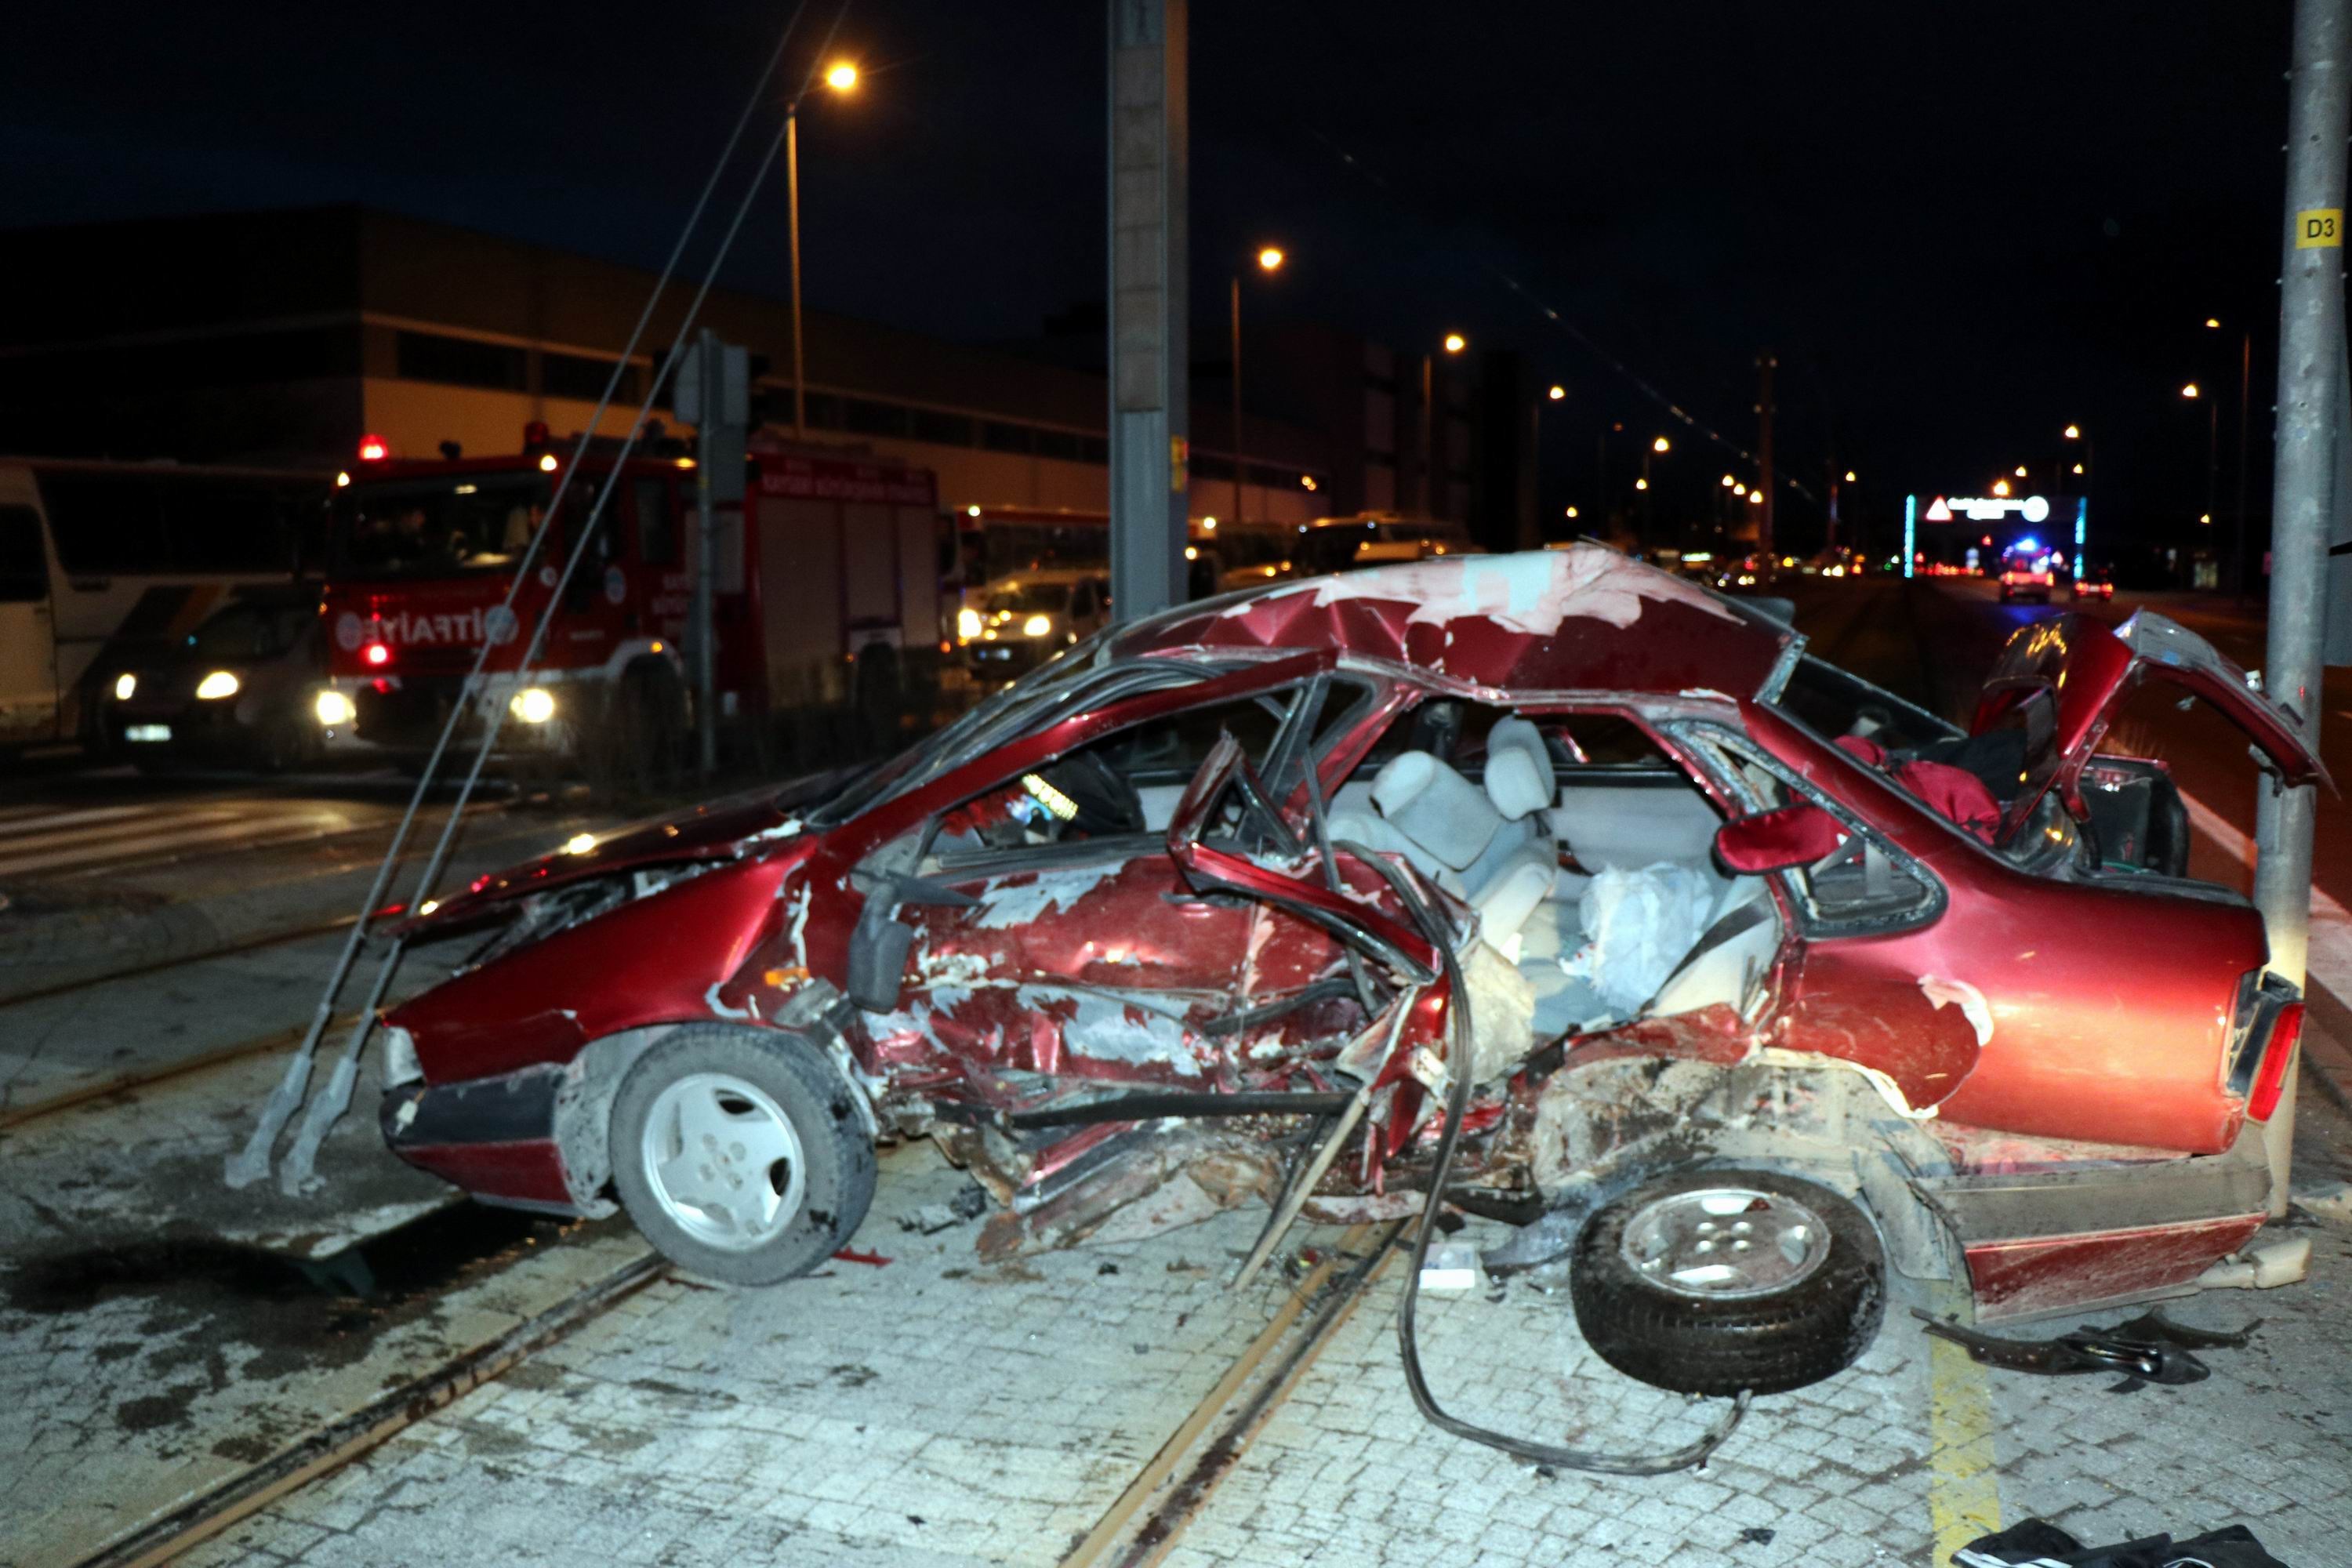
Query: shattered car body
1183	919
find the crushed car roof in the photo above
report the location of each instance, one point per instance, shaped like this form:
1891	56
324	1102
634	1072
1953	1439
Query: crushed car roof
1583	619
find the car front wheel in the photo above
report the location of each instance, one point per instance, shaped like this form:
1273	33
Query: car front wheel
740	1154
1715	1281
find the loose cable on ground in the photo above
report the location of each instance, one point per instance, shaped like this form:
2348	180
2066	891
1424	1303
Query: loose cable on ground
1457	1095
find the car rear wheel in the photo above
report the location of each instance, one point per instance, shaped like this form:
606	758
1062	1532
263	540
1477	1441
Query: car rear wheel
1715	1281
740	1153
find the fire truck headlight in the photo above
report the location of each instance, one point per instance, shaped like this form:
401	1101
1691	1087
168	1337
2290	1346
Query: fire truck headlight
220	683
334	709
967	626
124	685
1037	627
533	704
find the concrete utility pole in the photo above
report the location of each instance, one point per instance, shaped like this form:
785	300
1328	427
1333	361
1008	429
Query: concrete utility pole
714	396
1764	365
2311	347
1151	344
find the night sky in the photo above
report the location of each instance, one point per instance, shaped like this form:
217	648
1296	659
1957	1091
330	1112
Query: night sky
1958	230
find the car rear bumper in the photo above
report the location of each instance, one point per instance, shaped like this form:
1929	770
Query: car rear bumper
493	1137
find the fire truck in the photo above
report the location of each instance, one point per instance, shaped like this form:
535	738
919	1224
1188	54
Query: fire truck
825	578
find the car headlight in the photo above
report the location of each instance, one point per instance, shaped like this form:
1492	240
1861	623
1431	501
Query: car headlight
1037	627
333	709
533	704
124	685
967	624
218	684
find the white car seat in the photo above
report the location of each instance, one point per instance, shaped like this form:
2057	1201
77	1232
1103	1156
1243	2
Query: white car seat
1437	808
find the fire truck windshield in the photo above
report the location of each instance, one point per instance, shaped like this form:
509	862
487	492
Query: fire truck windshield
438	527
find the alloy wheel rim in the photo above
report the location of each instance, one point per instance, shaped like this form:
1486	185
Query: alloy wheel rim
1725	1243
722	1161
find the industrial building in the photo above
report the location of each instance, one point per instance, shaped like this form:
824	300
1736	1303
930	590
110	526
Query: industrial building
285	337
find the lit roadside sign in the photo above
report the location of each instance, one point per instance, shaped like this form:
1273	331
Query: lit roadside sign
1986	509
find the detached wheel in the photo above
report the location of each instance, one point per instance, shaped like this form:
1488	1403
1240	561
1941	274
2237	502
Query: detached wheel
1715	1281
740	1154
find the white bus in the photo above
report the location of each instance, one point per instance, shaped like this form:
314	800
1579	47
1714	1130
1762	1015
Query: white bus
101	563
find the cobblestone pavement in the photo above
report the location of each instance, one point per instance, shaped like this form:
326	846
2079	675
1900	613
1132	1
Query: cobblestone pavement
940	1411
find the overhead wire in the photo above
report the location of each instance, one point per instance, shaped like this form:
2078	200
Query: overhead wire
1551	315
253	1162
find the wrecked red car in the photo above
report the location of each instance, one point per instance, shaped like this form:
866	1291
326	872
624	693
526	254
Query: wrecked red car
1261	898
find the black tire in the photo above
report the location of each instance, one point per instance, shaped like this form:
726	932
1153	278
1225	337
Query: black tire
838	1153
1816	1327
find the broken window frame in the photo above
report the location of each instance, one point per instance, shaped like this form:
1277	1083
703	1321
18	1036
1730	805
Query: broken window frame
1304	700
1702	741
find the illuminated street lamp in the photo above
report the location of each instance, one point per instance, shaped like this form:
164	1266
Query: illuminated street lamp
1849	476
2212	445
1728	482
2213	324
1456	343
1662	446
1739	489
2000	487
1557	392
842	78
1642	483
1571	511
1269	262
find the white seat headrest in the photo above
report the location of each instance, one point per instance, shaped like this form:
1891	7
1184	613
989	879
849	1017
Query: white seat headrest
1518	784
1436	808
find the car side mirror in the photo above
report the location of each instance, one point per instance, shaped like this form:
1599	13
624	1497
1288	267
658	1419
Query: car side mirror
1796	835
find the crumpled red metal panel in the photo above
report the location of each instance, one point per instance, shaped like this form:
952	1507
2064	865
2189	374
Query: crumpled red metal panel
2017	1279
1586	618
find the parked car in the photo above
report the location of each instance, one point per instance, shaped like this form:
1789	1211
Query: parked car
241	691
1732	999
1028	617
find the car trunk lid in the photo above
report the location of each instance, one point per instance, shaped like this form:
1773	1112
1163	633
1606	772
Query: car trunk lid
2066	678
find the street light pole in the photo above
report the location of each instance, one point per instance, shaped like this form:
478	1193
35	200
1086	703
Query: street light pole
2238	522
2311	345
793	205
1241	464
841	76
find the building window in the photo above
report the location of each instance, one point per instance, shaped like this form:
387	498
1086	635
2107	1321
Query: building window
1095	449
867	417
946	429
1001	438
819	410
579	376
462	362
1061	444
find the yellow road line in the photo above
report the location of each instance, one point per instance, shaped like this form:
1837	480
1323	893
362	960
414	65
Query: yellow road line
1963	1483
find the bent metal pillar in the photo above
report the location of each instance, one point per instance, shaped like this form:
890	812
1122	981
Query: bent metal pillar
1150	424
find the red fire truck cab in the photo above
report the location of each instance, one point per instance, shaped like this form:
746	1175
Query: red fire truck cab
836	570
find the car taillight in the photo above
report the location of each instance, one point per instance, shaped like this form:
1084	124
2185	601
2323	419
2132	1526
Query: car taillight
2278	1054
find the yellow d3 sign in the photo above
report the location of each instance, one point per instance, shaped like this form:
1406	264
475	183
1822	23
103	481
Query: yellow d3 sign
2319	228
1180	459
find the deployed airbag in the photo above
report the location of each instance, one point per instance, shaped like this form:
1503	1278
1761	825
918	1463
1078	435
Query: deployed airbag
1637	927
